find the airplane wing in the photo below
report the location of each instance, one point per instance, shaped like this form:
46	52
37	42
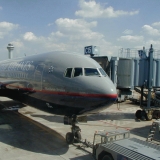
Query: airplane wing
8	86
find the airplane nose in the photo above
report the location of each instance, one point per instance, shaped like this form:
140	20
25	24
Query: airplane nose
104	95
108	88
100	93
108	92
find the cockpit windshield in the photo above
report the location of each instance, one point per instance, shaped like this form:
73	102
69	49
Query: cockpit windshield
78	71
68	72
91	72
73	72
102	72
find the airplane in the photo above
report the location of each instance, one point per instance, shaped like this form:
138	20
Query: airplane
60	82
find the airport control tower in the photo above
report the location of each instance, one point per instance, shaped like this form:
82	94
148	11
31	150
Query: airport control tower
10	48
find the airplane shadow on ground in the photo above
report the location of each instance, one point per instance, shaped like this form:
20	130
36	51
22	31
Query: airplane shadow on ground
10	103
138	131
119	116
59	119
142	131
50	118
87	156
84	157
111	116
18	132
116	115
95	117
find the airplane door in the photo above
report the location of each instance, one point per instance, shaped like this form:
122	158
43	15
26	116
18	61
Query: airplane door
38	74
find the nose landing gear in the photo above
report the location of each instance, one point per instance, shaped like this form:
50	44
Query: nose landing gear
75	134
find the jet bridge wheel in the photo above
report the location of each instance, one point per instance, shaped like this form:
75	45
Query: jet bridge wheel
138	114
156	114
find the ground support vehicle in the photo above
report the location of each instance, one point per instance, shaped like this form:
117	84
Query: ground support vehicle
117	145
154	133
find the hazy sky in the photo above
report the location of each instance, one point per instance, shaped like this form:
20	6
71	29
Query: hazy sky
38	26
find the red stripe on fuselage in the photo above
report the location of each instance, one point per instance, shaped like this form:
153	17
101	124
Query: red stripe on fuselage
91	95
82	94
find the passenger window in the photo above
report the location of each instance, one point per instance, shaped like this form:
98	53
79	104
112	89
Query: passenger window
91	72
68	72
78	72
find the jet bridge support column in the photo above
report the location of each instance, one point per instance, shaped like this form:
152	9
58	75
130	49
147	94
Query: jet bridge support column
141	101
146	80
150	76
114	65
148	111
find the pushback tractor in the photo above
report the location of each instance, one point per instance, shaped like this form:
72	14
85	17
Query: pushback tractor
117	145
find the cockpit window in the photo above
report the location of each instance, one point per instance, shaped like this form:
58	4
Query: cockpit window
78	72
68	72
75	72
91	72
102	72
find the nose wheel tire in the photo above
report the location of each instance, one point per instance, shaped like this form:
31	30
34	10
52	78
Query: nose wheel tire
69	138
75	131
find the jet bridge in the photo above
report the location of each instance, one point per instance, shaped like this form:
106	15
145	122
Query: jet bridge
144	73
132	73
149	69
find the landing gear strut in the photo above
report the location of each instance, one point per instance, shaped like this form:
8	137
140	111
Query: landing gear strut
75	131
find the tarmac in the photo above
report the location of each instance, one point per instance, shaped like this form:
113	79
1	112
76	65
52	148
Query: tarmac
34	134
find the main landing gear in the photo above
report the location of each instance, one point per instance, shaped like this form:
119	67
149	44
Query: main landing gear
75	134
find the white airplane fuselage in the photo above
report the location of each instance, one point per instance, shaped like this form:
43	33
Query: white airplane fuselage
64	83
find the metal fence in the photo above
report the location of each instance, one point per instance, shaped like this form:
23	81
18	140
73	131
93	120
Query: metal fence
133	53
